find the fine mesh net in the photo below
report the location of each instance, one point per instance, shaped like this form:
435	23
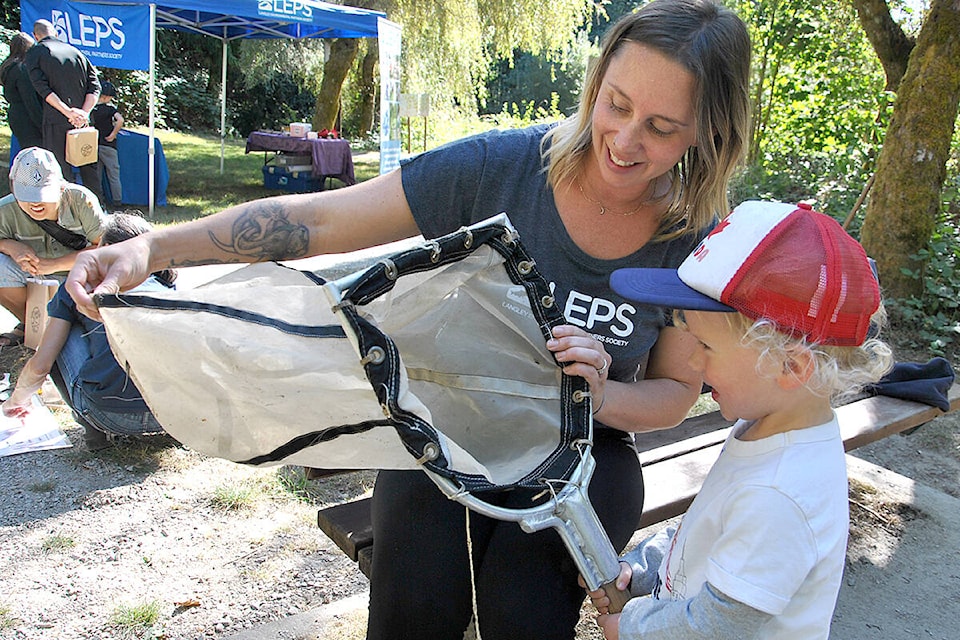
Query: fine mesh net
434	356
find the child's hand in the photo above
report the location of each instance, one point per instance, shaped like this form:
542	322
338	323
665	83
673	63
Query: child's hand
610	623
599	597
13	409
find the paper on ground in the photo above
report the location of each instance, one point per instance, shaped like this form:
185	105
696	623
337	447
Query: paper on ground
36	431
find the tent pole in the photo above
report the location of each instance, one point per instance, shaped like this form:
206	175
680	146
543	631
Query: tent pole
151	156
223	98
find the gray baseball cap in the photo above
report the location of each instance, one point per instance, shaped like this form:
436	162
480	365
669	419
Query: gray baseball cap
35	176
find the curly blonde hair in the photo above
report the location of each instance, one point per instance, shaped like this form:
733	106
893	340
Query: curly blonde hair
838	372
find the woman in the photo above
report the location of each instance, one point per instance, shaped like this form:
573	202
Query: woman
24	110
96	387
635	178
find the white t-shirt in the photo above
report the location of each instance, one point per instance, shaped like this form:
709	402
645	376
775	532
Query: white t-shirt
768	529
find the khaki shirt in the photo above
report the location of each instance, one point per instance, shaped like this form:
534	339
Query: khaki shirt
79	212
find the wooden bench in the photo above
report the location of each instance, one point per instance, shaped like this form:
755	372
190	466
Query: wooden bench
674	465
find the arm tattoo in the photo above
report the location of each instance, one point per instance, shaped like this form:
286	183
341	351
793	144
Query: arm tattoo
264	232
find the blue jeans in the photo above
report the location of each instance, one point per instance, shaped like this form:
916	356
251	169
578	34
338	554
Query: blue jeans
73	355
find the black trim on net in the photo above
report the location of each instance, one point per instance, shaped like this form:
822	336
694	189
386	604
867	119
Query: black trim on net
308	440
164	304
415	433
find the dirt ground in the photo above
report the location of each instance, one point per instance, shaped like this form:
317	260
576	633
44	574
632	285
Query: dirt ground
149	540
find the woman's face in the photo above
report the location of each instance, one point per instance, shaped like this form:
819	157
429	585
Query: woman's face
644	118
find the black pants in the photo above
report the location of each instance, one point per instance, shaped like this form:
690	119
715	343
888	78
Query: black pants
55	141
526	582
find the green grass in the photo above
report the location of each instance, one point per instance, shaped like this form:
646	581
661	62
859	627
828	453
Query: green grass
57	543
132	621
196	188
236	497
7	620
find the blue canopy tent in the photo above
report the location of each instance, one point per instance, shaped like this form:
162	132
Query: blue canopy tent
113	34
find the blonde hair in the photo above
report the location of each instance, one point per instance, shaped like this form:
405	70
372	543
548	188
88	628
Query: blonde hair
838	372
712	43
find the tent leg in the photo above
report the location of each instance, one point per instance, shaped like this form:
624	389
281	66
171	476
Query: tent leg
223	99
151	162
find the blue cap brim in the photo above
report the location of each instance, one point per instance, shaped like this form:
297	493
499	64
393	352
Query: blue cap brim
662	287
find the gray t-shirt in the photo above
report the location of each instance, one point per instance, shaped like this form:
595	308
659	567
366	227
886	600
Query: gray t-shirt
472	179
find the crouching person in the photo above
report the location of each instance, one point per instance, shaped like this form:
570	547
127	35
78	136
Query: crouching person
75	351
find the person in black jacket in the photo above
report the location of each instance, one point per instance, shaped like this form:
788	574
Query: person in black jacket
24	113
68	84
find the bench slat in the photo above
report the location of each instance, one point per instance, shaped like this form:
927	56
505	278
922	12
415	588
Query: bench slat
673	472
676	437
877	417
348	525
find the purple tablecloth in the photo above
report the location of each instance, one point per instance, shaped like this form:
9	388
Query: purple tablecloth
331	157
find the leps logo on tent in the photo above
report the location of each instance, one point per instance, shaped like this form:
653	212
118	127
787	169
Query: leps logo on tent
88	31
285	9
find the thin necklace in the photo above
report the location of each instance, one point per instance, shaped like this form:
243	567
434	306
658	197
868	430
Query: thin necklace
604	208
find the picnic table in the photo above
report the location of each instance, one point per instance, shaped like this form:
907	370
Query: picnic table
332	157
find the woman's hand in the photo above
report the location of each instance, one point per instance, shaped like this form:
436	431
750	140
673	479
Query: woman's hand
78	117
46	266
610	623
580	354
25	257
17	405
31	379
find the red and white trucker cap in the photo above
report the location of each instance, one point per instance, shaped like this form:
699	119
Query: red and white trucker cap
780	262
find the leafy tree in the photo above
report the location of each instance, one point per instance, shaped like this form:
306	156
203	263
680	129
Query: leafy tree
907	193
819	105
274	101
448	45
279	84
361	93
537	81
10	15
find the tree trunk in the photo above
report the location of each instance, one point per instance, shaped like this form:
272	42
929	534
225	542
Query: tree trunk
368	88
343	51
892	45
903	207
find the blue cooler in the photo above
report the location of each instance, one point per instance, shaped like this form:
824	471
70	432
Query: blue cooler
293	179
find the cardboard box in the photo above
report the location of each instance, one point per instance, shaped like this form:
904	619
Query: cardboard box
82	146
39	292
300	129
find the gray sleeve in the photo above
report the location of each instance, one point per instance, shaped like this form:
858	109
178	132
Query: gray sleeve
710	615
644	561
